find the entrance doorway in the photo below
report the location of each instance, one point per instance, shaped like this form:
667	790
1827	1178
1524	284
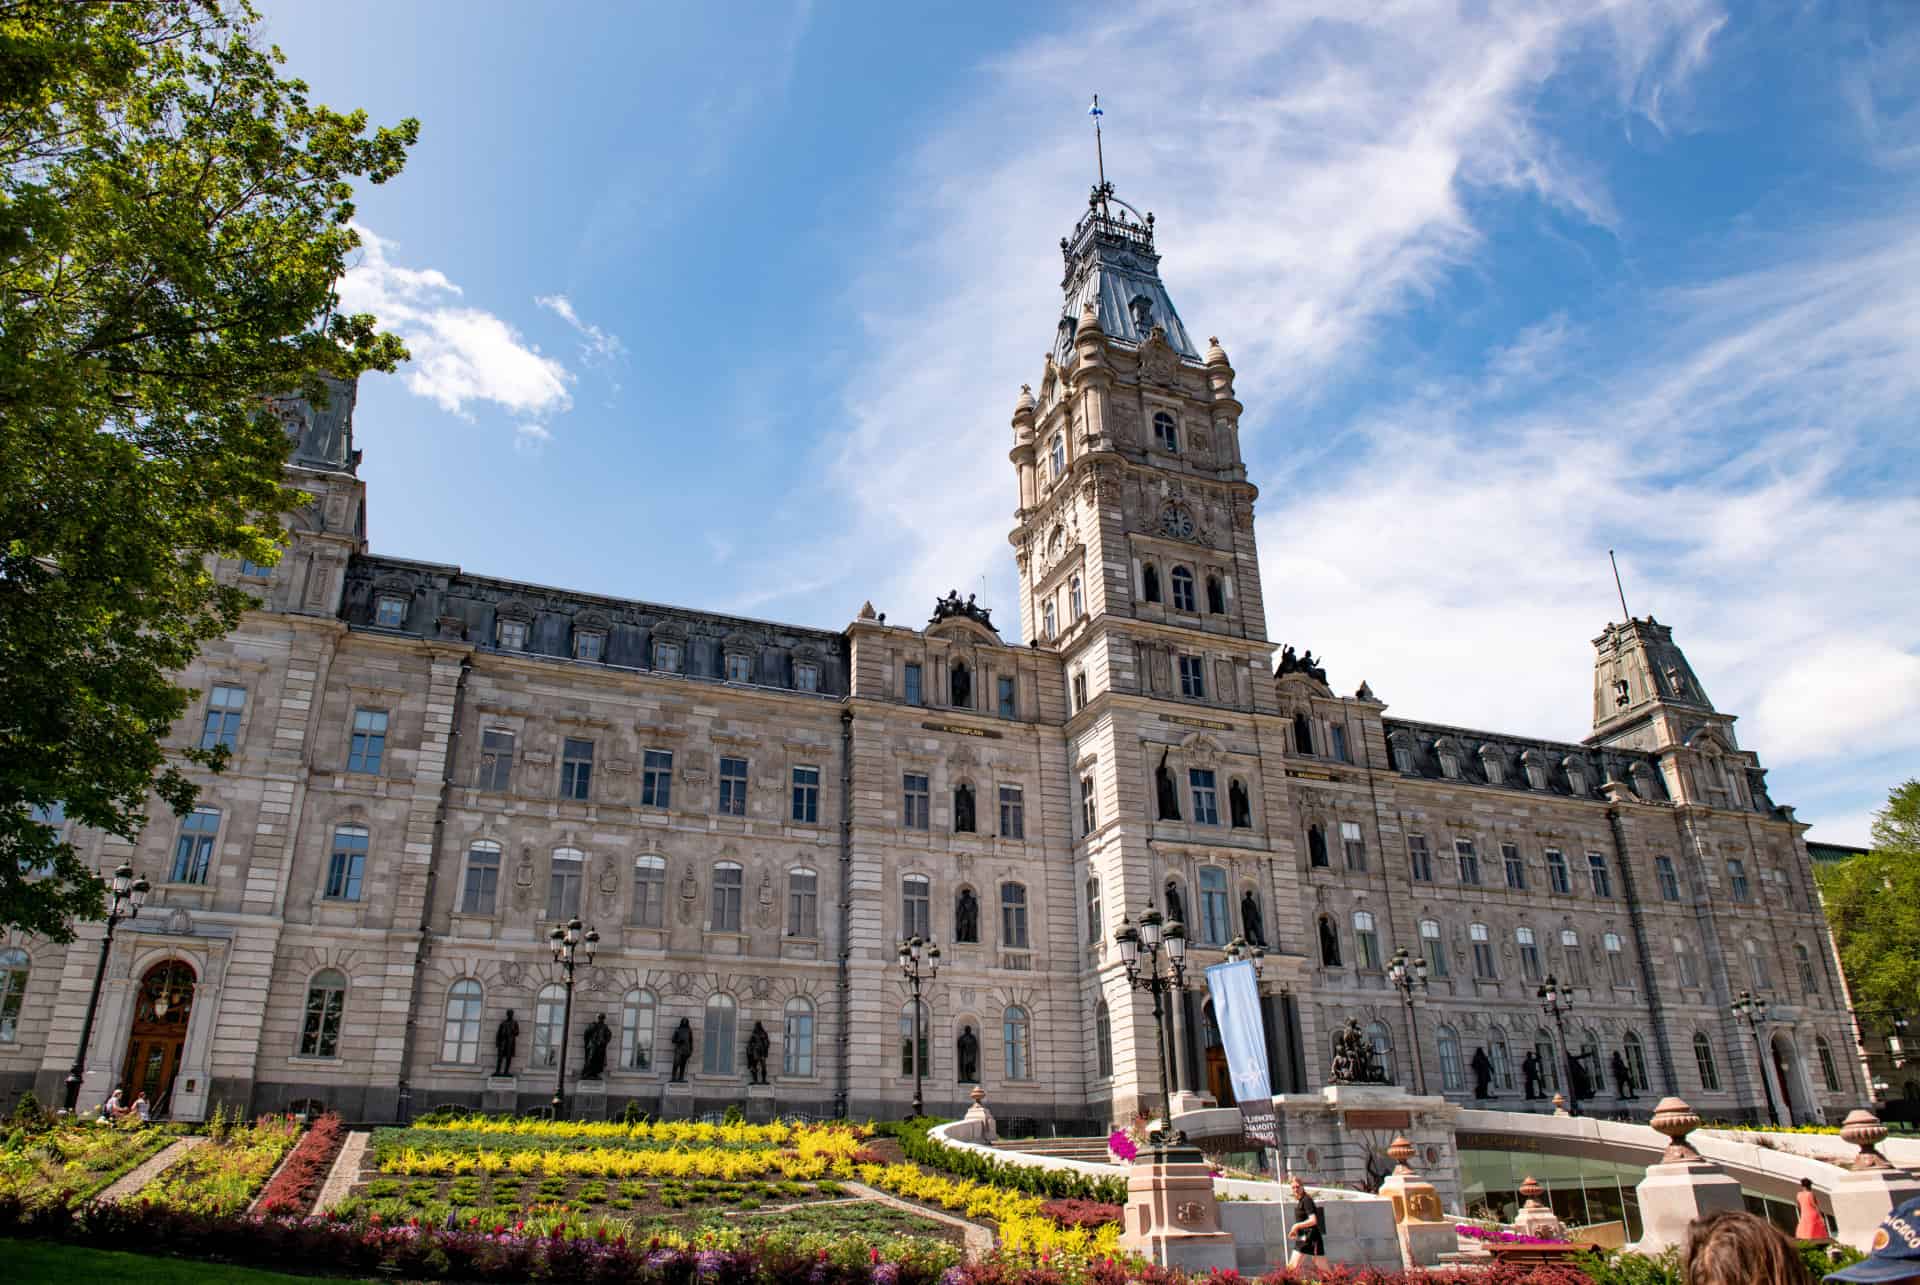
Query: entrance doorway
1219	1078
1786	1067
159	1035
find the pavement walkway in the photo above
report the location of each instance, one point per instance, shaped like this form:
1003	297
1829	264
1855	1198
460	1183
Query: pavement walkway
147	1172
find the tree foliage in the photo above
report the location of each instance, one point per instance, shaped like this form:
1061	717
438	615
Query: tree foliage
1873	904
173	217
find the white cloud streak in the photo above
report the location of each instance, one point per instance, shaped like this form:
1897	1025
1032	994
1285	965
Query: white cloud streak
596	345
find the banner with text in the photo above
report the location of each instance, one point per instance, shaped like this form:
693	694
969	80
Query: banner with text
1235	989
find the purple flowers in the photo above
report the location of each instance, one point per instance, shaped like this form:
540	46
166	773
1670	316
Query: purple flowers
1501	1236
1121	1145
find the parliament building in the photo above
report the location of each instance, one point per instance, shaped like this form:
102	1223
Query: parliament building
433	767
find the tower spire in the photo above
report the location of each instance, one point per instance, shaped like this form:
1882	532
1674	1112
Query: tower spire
1625	614
1099	149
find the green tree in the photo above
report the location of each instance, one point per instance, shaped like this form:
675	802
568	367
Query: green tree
173	218
1873	904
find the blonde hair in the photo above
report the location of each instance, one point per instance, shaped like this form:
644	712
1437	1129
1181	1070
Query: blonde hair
1740	1249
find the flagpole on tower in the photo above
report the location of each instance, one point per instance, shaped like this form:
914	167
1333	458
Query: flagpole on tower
1099	150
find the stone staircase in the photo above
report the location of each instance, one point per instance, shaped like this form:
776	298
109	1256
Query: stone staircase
1092	1150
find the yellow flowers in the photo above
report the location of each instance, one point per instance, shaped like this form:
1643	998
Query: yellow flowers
841	1138
1043	1235
608	1162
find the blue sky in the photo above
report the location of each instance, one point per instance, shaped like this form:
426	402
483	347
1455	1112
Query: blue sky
728	305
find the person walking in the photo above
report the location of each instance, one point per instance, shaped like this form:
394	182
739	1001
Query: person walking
1308	1232
142	1108
1812	1224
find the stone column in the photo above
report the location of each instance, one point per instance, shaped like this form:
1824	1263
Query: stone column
1534	1218
1171	1214
1424	1232
1871	1188
1683	1186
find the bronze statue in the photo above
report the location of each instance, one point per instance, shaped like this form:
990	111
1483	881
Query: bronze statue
758	1046
1251	925
597	1036
1622	1078
682	1050
1530	1073
1163	784
1240	810
1482	1074
966	916
506	1037
963	809
1353	1057
967	1047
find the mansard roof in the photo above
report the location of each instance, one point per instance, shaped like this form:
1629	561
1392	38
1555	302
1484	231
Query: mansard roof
1111	265
1473	750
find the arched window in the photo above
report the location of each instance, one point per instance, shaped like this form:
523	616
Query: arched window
566	873
1382	1041
717	1047
1150	582
1102	1041
1482	943
1828	1071
1215	923
1450	1077
1057	456
916	907
1329	943
326	1002
1804	962
796	1049
1076	600
1502	1058
1636	1055
1013	916
966	916
960	685
14	968
649	891
1047	626
1014	1032
1183	599
1684	962
637	1012
549	1009
1094	918
728	881
1703	1058
1302	734
1432	947
460	1041
1548	1056
1216	600
1757	965
907	1041
1166	433
1366	940
1316	847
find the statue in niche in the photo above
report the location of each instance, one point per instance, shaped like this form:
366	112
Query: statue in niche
966	916
961	681
1530	1074
597	1037
1353	1057
963	809
1163	785
758	1046
1176	909
682	1050
1482	1074
967	1049
1237	805
1252	927
506	1038
1622	1078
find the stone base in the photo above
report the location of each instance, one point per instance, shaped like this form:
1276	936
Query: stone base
1183	1101
1171	1215
676	1101
1422	1244
589	1100
1862	1199
501	1094
1673	1195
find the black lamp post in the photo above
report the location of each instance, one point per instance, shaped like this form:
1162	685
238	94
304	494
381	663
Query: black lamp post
127	895
567	944
1754	1011
919	961
1157	937
1239	948
1407	976
1556	1001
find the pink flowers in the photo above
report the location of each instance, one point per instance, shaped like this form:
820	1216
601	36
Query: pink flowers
1121	1145
1501	1236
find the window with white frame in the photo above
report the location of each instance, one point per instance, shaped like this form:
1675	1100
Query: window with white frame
1482	943
1166	432
1451	1080
803	902
806	795
346	863
1076	604
729	882
1598	873
482	879
1529	954
717	1051
511	635
1616	959
15	968
549	1010
1089	806
1094	924
367	744
916	908
740	667
1366	940
1572	963
656	779
496	760
1215	925
193	850
589	645
1046	619
637	1019
1013	812
1557	877
1013	1033
1469	860
666	656
576	769
1419	859
1432	947
460	1036
1193	677
1183	597
915	801
733	787
225	704
565	875
326	1006
796	1046
1353	845
1206	799
649	891
1013	916
806	676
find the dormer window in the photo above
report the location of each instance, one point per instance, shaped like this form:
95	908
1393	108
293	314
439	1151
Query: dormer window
739	667
1057	456
1536	769
1494	766
589	644
1676	680
1166	433
512	635
390	611
1402	753
1448	753
666	656
806	676
1576	775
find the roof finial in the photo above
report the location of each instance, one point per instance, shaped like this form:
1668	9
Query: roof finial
1617	589
1099	149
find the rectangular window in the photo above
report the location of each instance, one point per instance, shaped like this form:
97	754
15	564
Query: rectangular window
248	567
733	787
1669	881
390	612
1354	846
740	668
347	864
729	881
1206	801
806	678
591	645
1007	708
803	903
656	779
806	795
225	704
1737	874
914	801
1419	858
576	768
1340	743
1089	806
1557	876
1193	680
1432	947
1013	812
1214	928
513	635
1482	952
1529	954
916	907
1469	861
1516	868
193	852
649	892
496	760
483	879
368	745
1079	692
1013	916
912	691
563	885
666	656
1602	879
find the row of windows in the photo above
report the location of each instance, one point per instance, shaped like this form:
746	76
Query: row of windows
1184	589
1016	1044
960	693
916	811
666	656
1303	742
1203	797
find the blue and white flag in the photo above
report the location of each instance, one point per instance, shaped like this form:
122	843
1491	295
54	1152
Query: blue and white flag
1095	109
1236	1011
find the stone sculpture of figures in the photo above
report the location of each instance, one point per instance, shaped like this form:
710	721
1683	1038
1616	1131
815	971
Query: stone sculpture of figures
1622	1078
758	1045
1353	1059
966	916
967	1047
1482	1074
1176	909
506	1037
1163	783
1240	812
597	1036
1251	925
682	1050
1530	1072
963	809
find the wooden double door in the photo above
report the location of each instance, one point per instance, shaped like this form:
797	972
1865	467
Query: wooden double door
158	1039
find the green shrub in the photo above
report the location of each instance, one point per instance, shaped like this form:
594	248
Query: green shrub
733	1115
1056	1184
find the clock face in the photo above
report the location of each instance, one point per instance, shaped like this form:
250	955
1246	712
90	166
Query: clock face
1177	522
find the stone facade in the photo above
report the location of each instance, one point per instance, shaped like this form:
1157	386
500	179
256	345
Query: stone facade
432	768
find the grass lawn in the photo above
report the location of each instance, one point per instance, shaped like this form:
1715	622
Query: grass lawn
34	1260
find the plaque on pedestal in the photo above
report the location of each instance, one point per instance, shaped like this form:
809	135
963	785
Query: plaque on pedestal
501	1094
1171	1215
589	1100
760	1103
677	1102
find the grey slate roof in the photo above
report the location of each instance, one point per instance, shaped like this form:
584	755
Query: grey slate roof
1111	262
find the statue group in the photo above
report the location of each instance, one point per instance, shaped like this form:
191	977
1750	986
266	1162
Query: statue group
1353	1058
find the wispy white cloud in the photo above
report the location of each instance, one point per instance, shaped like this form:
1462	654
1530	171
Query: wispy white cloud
531	439
461	355
596	345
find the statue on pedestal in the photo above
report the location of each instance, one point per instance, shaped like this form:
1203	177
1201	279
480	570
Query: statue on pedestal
1622	1078
1353	1057
682	1050
597	1036
1251	925
1482	1073
506	1037
966	917
967	1048
1163	787
1530	1072
758	1046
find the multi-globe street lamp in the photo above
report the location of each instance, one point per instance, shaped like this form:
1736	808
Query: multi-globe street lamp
1156	937
1407	976
126	895
919	961
1753	1010
568	943
1556	1001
